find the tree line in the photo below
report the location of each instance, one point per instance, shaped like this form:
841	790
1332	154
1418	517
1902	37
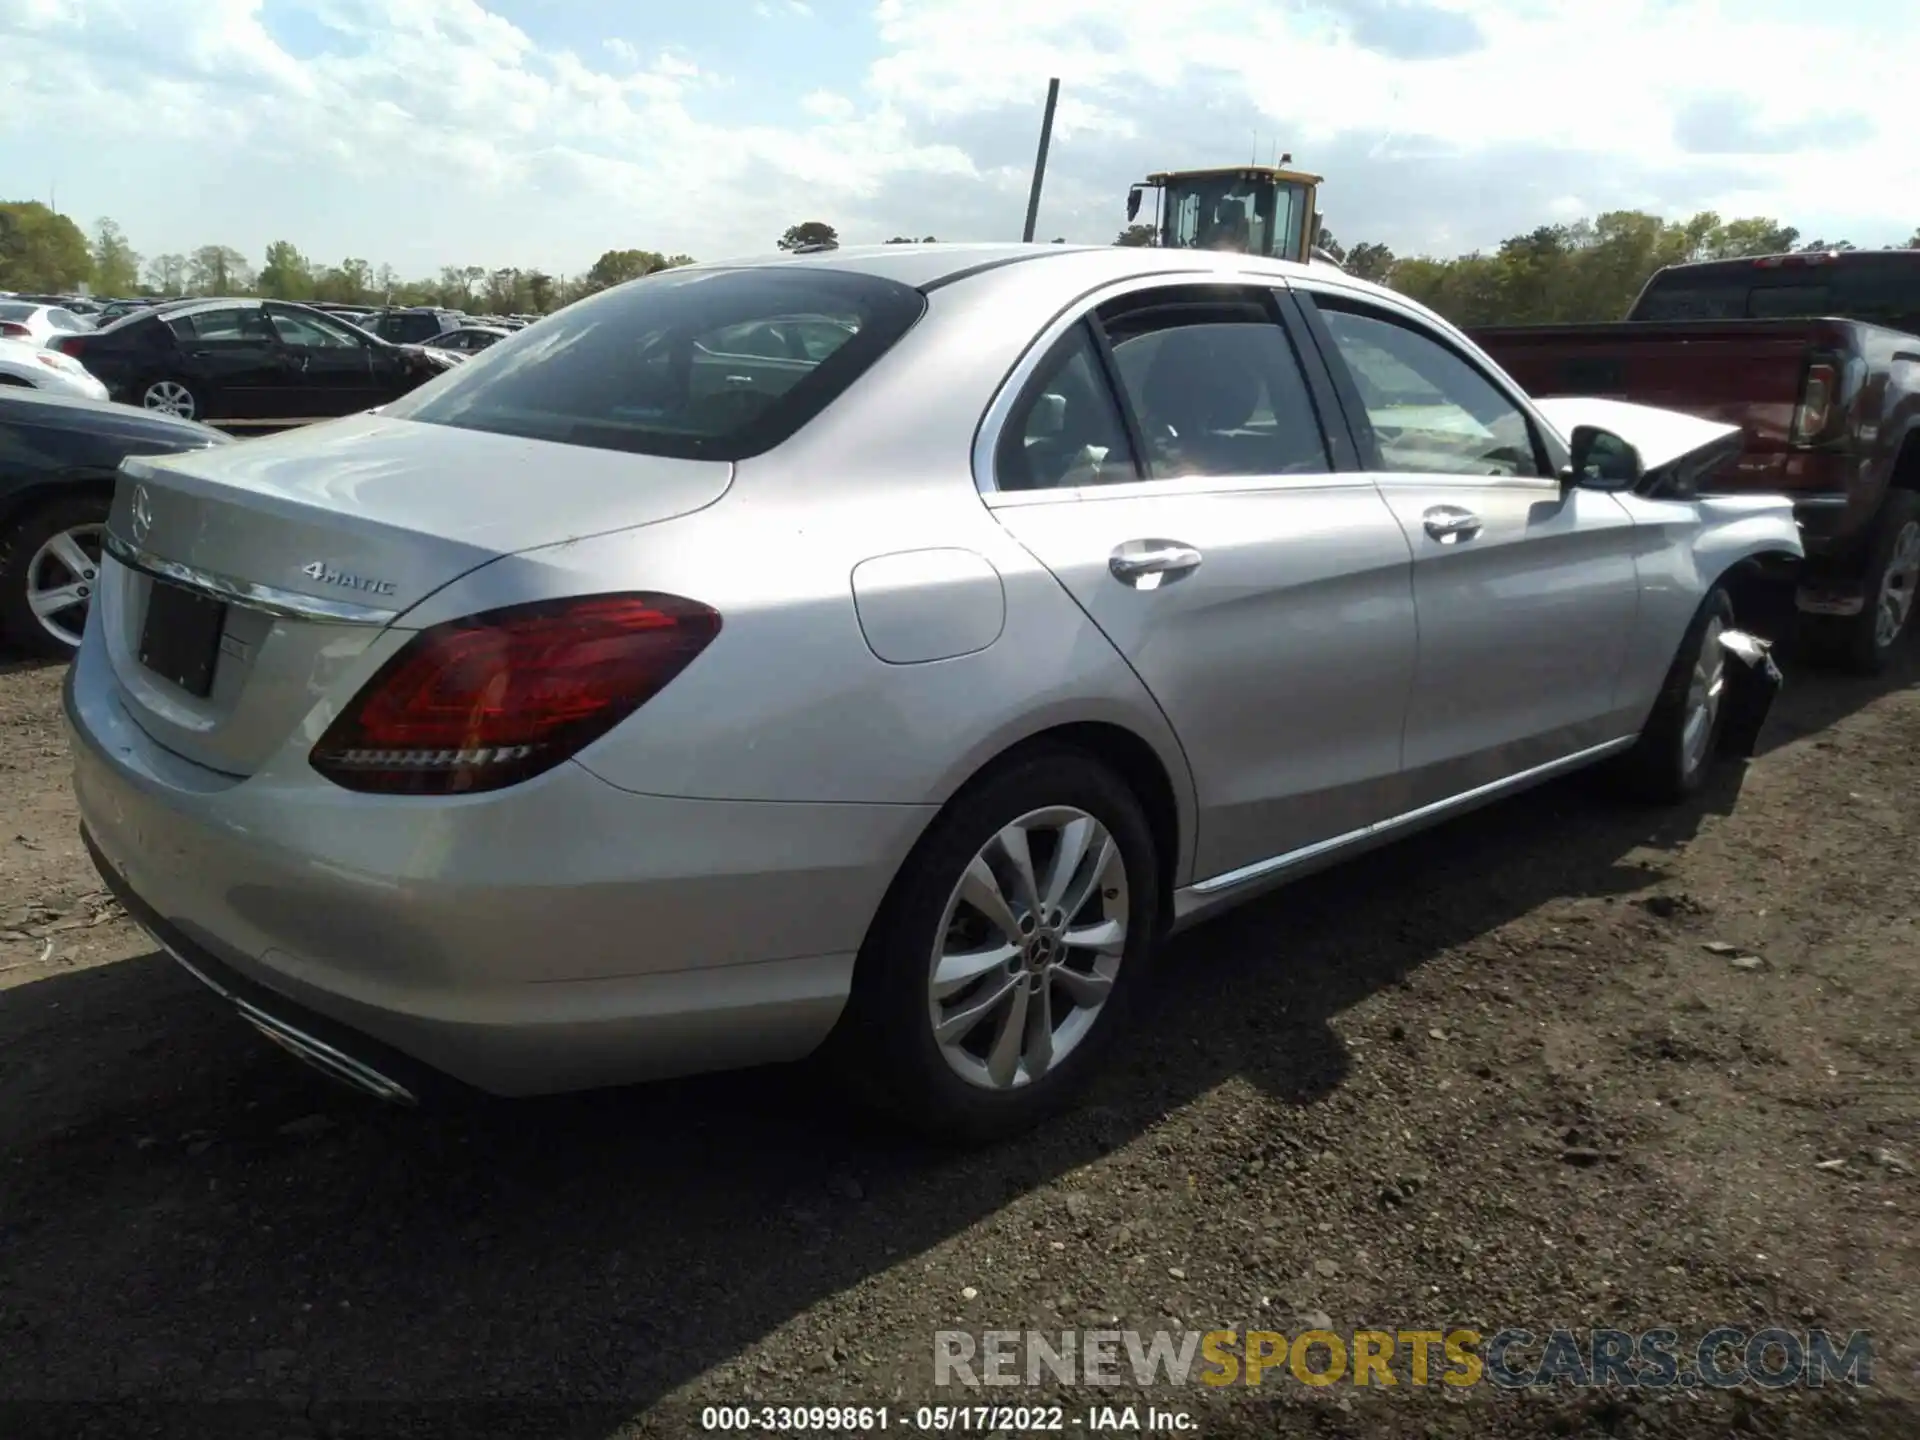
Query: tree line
1586	270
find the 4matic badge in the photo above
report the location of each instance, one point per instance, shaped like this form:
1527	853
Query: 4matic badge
327	575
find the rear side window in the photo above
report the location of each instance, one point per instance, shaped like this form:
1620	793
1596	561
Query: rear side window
249	323
1214	384
694	364
1880	289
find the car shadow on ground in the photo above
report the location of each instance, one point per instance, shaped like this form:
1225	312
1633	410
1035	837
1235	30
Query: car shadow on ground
186	1213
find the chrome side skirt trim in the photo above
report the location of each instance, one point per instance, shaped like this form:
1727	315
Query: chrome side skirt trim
1467	799
288	604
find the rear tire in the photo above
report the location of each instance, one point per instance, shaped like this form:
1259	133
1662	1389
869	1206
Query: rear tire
967	1030
170	396
32	566
1866	643
1676	749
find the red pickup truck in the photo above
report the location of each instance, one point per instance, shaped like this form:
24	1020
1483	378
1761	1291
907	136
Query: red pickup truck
1817	358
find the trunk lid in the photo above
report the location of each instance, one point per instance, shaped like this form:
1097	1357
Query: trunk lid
320	540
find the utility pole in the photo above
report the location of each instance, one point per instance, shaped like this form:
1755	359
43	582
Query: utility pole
1040	160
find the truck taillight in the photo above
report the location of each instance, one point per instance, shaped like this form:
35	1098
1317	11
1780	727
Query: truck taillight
489	701
1816	402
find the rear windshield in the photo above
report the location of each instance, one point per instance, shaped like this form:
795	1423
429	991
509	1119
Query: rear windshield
693	364
1881	289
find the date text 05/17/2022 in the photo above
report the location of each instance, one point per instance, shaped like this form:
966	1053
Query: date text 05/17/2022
945	1419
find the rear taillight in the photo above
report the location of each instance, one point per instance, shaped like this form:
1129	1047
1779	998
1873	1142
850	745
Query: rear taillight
71	345
13	331
495	699
1816	402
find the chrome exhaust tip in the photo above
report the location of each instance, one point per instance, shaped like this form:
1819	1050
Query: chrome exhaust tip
333	1063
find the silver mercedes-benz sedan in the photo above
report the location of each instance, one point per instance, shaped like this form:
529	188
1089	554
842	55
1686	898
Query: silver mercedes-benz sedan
873	652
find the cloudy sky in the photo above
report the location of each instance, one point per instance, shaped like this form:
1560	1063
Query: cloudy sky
540	132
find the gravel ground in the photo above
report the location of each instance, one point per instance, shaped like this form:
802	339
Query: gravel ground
1517	1072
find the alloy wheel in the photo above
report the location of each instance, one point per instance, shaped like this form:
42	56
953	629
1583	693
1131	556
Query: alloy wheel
1704	692
1898	583
1030	946
170	397
61	578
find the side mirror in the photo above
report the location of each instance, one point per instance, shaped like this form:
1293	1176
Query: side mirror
1602	460
1133	202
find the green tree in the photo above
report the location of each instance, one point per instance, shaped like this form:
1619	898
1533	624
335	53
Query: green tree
1913	243
287	275
1138	235
1370	261
909	240
616	267
540	291
218	270
116	268
810	232
40	250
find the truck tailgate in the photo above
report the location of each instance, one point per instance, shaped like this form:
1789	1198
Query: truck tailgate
1741	372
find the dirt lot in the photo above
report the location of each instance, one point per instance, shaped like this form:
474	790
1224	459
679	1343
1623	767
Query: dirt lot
1496	1077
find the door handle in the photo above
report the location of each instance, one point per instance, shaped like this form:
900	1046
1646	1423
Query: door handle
739	380
1449	524
1142	563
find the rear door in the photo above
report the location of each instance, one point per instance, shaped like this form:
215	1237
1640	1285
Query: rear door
1527	591
1258	586
233	360
331	368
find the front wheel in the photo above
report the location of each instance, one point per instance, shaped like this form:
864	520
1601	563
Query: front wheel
1005	957
1672	758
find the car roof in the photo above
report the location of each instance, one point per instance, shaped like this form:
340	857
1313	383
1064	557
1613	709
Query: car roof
927	267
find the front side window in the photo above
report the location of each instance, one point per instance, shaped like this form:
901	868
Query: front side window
1067	430
1215	386
643	368
1431	411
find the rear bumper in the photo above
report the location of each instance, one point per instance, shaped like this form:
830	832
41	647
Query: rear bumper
1832	502
563	935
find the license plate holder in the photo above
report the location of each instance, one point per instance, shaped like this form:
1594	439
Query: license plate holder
180	638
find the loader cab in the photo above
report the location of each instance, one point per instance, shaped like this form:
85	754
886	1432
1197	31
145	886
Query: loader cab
1253	209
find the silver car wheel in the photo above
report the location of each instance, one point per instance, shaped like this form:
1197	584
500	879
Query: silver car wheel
1030	946
169	397
61	577
1897	586
1704	692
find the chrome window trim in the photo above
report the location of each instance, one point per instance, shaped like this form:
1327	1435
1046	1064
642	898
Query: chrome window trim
986	439
287	604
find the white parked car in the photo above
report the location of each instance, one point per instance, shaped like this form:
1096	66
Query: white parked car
39	324
24	363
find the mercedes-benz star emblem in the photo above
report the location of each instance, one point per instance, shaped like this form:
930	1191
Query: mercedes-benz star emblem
142	513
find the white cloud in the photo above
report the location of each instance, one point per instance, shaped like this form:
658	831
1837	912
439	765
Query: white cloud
440	132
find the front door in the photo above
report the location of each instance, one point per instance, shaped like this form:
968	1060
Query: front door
329	367
1527	591
1262	597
